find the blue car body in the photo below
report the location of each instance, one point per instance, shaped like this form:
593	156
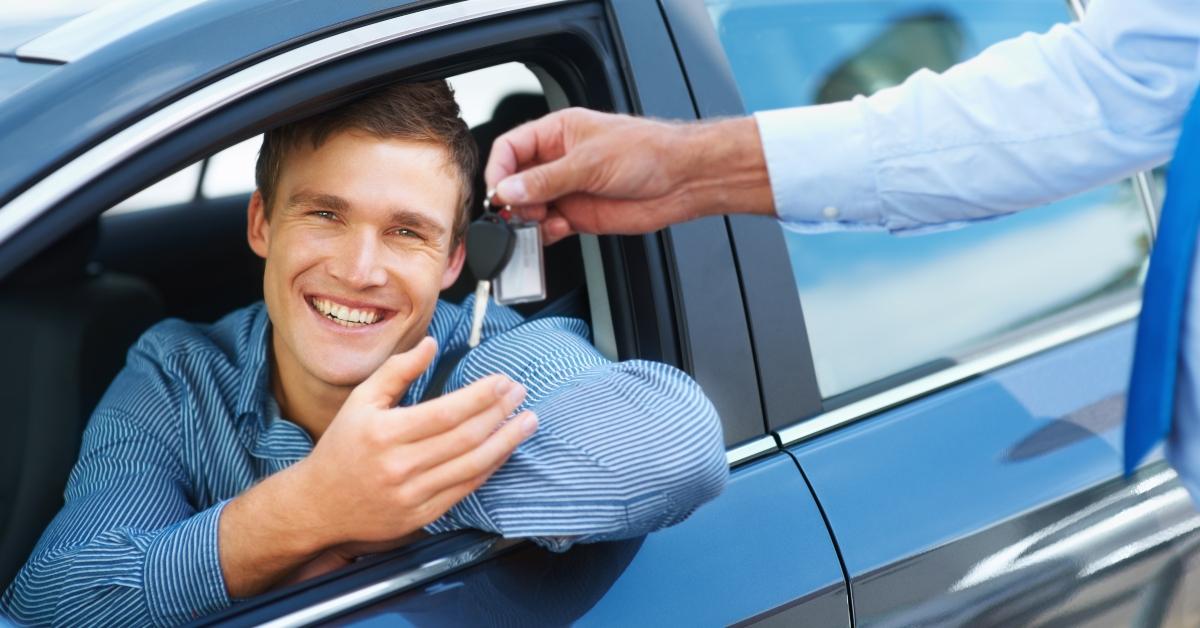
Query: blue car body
982	492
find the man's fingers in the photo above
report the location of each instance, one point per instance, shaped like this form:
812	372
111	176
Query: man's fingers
464	437
555	228
478	461
541	138
544	183
445	500
446	413
391	380
531	213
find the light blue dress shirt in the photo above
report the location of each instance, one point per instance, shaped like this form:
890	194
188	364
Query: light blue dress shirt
621	449
1028	121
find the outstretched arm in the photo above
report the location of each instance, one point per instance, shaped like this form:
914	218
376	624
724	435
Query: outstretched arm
1029	120
622	449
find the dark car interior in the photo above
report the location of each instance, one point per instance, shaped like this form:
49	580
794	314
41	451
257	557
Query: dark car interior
77	307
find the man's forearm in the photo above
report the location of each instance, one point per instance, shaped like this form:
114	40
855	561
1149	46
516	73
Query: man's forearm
723	167
266	533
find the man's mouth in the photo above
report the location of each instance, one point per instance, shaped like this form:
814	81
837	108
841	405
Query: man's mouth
344	315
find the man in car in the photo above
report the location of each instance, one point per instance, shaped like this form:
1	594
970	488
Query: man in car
290	436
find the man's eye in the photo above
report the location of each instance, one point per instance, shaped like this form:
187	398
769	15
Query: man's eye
323	214
408	233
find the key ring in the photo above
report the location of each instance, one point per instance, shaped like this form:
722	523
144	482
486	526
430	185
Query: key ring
489	206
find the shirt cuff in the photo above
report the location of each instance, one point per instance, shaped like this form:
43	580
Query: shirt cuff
821	169
183	576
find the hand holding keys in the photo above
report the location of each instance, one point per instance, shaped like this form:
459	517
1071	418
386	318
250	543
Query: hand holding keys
509	254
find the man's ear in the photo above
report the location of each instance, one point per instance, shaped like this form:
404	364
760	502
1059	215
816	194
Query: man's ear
258	232
455	266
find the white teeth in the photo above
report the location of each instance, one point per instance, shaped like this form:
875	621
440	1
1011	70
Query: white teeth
345	316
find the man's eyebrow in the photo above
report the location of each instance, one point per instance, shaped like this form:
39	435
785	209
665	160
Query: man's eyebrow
405	217
314	199
410	218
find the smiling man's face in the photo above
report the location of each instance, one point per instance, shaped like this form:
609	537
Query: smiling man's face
358	245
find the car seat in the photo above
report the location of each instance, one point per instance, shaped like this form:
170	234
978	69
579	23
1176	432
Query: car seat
65	328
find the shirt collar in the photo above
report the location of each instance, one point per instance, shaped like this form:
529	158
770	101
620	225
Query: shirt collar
265	433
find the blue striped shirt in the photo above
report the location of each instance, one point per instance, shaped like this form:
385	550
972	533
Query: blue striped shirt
622	449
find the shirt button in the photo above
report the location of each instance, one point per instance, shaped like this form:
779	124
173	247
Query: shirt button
830	212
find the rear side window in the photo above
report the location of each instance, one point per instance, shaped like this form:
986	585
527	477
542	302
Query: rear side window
881	307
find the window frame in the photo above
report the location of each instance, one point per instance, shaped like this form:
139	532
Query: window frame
422	42
705	336
673	308
795	410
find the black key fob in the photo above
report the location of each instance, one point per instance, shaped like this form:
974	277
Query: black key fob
490	242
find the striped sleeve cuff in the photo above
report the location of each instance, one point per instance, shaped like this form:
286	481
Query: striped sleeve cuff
183	576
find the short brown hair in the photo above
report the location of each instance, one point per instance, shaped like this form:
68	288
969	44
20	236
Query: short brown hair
422	112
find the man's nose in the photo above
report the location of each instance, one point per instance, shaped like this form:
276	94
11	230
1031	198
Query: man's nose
359	260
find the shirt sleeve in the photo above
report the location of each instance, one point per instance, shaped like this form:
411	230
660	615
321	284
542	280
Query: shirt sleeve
1029	120
128	547
621	449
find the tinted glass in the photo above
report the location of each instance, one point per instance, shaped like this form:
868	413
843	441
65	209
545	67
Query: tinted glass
879	305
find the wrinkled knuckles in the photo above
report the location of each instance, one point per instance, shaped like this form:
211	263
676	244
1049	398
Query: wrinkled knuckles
377	435
411	500
478	466
470	437
441	417
398	470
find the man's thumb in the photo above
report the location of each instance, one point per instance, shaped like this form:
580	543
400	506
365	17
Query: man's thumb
543	184
391	380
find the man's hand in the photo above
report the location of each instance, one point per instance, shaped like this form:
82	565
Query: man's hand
378	473
578	170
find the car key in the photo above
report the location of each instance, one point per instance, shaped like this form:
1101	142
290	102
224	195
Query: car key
490	242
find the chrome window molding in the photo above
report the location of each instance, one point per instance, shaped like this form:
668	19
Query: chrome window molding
845	415
425	572
1144	188
750	450
436	568
1141	181
89	166
1076	7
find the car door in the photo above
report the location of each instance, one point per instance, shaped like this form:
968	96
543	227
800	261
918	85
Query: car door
955	399
761	553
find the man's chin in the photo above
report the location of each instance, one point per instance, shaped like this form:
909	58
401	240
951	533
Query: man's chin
345	375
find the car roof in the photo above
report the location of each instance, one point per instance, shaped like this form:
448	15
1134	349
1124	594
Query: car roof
114	65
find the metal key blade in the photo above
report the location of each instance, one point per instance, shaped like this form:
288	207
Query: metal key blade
490	242
482	289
